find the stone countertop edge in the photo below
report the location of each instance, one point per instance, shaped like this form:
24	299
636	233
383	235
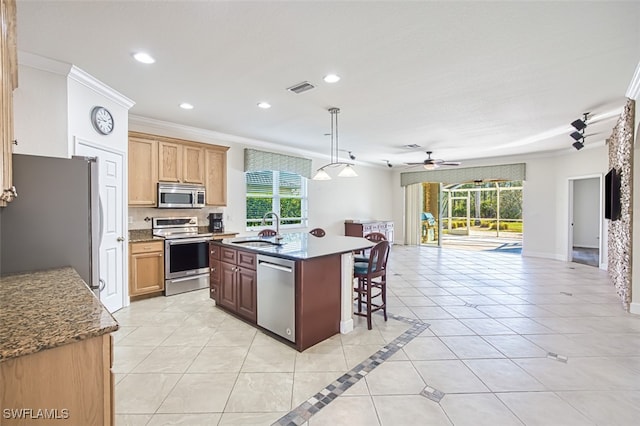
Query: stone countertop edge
302	245
145	235
46	309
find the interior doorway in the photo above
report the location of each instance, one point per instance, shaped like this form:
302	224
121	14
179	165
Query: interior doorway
585	220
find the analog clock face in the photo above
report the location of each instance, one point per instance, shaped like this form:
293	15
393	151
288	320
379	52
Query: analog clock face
102	120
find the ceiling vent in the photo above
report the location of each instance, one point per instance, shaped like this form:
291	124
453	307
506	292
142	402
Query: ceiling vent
412	146
301	87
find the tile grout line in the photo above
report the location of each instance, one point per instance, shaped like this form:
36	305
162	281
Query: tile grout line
303	412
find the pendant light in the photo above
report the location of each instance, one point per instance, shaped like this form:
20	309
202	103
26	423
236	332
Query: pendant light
347	170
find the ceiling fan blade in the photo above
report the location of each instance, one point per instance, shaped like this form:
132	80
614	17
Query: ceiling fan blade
450	163
415	164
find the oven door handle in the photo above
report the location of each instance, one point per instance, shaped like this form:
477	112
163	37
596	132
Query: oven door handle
188	241
189	278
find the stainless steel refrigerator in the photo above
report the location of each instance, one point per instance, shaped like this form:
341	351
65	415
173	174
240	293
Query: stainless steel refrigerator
55	220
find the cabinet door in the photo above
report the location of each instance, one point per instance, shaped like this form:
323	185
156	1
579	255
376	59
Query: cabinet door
214	279
228	295
193	167
246	284
169	162
146	273
8	82
143	172
216	177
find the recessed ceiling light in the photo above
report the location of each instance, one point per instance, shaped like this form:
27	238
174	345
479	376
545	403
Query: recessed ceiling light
264	105
186	105
331	78
145	58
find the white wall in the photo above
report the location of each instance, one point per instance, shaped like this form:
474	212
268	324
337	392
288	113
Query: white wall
40	113
586	212
368	196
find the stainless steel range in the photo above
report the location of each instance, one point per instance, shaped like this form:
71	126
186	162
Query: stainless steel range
186	254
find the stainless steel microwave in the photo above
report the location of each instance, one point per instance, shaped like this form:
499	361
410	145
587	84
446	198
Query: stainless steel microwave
180	196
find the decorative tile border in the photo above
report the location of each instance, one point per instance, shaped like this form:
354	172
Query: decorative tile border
303	412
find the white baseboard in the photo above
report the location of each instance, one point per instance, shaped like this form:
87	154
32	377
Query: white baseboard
634	308
544	255
346	326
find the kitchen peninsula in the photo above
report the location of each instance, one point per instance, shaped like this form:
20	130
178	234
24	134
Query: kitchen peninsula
297	287
55	350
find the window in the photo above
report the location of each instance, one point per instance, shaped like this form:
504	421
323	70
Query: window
282	192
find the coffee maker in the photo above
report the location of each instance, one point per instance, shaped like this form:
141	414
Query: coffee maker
215	222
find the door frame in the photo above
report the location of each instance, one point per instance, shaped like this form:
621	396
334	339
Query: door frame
125	225
602	255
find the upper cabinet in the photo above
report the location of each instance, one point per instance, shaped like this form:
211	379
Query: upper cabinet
8	82
154	159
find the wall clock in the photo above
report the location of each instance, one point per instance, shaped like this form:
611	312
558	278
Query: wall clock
102	120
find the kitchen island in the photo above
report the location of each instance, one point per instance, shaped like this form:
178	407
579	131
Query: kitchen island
320	297
55	350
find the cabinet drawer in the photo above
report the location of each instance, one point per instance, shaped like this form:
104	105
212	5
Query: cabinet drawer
214	271
248	260
147	247
214	251
228	255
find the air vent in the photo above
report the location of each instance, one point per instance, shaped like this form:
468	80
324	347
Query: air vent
412	146
301	87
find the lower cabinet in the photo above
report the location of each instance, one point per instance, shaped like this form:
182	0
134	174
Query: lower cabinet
71	384
146	267
233	281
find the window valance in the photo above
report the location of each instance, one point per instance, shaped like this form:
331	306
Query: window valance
255	161
465	174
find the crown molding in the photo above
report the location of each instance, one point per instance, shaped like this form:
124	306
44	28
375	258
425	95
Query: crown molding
96	85
634	87
44	64
182	131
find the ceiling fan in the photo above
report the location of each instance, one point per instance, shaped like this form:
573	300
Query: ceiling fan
432	163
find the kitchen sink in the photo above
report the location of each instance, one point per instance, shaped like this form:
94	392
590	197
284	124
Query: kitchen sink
256	243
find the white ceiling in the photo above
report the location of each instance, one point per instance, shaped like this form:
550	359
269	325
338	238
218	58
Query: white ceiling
466	80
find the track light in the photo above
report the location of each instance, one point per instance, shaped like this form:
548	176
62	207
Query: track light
353	157
389	164
578	145
576	135
580	124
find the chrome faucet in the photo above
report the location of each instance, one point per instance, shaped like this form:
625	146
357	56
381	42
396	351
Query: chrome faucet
264	221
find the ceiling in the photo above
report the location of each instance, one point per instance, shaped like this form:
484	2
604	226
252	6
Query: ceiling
467	80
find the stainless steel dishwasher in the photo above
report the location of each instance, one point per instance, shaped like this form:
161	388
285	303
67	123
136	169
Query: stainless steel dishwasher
276	296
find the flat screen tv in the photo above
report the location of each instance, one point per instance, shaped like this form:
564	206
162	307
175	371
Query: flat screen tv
612	195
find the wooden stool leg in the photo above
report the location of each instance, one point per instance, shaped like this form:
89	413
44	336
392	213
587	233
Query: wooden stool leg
384	298
369	305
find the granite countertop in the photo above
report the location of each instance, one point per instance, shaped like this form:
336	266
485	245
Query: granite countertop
144	235
302	245
46	309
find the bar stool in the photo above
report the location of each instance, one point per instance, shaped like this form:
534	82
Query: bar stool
267	233
372	282
373	237
318	232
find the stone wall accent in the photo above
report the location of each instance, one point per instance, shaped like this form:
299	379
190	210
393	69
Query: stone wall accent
620	145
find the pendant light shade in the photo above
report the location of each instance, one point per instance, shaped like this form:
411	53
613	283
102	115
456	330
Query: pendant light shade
321	175
348	171
347	168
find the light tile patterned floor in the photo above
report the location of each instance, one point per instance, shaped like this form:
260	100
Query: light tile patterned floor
503	340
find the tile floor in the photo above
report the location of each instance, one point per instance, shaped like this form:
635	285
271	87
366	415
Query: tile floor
510	341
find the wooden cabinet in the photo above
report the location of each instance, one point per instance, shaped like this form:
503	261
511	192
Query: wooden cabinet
154	159
8	82
180	163
146	267
362	229
214	272
143	172
215	176
237	282
73	382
